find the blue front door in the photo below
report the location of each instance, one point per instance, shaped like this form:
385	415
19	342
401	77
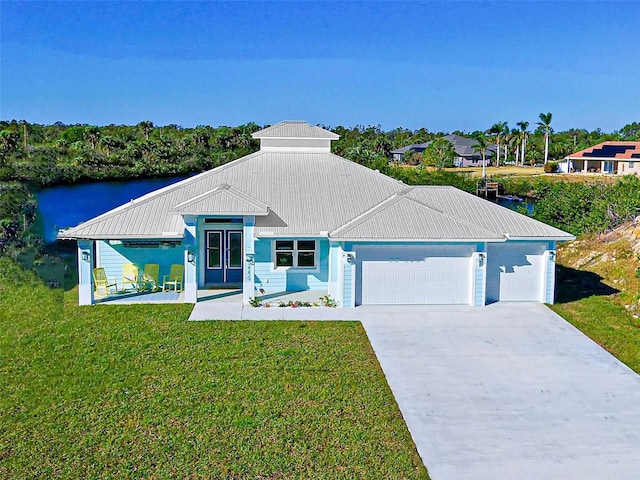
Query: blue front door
223	256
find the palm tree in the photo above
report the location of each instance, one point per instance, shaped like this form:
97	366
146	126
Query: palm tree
110	144
523	139
545	123
512	142
92	134
498	129
482	148
147	127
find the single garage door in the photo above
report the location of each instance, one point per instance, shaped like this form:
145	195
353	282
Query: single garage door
515	272
429	275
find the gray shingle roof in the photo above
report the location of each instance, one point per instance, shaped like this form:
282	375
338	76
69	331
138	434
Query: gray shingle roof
292	129
463	146
311	194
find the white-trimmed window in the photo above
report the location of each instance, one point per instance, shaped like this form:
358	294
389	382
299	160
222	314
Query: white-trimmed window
295	253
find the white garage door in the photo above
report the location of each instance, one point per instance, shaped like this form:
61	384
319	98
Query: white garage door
515	272
429	275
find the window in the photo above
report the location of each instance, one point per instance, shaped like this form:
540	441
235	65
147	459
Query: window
295	253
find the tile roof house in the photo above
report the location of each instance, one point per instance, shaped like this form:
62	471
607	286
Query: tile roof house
467	154
621	158
293	217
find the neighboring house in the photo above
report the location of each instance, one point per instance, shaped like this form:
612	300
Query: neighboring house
466	153
621	158
293	216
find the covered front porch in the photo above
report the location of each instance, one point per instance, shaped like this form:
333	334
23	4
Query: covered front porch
213	297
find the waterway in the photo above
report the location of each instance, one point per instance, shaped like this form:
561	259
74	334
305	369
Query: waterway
68	205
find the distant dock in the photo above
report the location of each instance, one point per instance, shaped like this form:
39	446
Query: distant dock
488	189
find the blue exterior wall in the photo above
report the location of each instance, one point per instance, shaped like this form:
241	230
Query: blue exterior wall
112	257
289	279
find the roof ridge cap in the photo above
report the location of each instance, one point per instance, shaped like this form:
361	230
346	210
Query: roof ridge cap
359	219
376	172
507	211
460	220
161	191
224	188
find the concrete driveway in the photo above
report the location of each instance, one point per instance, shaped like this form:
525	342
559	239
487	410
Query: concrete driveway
507	391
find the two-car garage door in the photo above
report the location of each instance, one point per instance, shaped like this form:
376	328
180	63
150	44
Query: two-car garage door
408	274
443	274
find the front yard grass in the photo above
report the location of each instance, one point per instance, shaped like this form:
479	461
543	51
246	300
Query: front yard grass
608	324
597	292
137	391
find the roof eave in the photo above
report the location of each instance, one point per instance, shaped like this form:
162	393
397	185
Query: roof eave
421	240
261	213
121	237
556	238
603	159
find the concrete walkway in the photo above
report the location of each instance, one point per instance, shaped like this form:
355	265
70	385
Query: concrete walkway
235	311
507	391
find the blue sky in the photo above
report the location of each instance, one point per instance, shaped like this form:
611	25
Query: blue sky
440	65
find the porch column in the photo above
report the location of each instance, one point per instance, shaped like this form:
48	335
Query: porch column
584	166
85	274
335	277
479	283
349	279
190	267
549	287
248	274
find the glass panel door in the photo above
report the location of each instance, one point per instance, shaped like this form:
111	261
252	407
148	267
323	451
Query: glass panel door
233	272
235	250
213	271
214	250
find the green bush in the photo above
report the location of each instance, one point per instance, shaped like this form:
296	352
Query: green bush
580	208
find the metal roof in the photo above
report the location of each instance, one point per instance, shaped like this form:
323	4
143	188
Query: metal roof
405	218
222	200
485	214
310	194
293	129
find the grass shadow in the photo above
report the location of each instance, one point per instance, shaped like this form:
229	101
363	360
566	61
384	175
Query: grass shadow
573	285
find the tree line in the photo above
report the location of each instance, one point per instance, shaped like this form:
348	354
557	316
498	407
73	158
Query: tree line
44	155
59	153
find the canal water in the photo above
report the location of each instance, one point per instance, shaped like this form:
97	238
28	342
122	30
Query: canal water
67	205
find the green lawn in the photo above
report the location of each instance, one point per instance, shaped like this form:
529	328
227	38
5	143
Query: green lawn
137	392
608	324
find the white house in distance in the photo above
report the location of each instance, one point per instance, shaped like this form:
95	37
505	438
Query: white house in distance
620	158
294	217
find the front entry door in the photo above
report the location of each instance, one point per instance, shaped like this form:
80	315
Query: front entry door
223	255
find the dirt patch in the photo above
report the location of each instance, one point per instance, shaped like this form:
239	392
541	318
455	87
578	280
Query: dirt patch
613	256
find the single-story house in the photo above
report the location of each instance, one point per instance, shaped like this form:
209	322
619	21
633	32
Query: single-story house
467	154
621	158
293	217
